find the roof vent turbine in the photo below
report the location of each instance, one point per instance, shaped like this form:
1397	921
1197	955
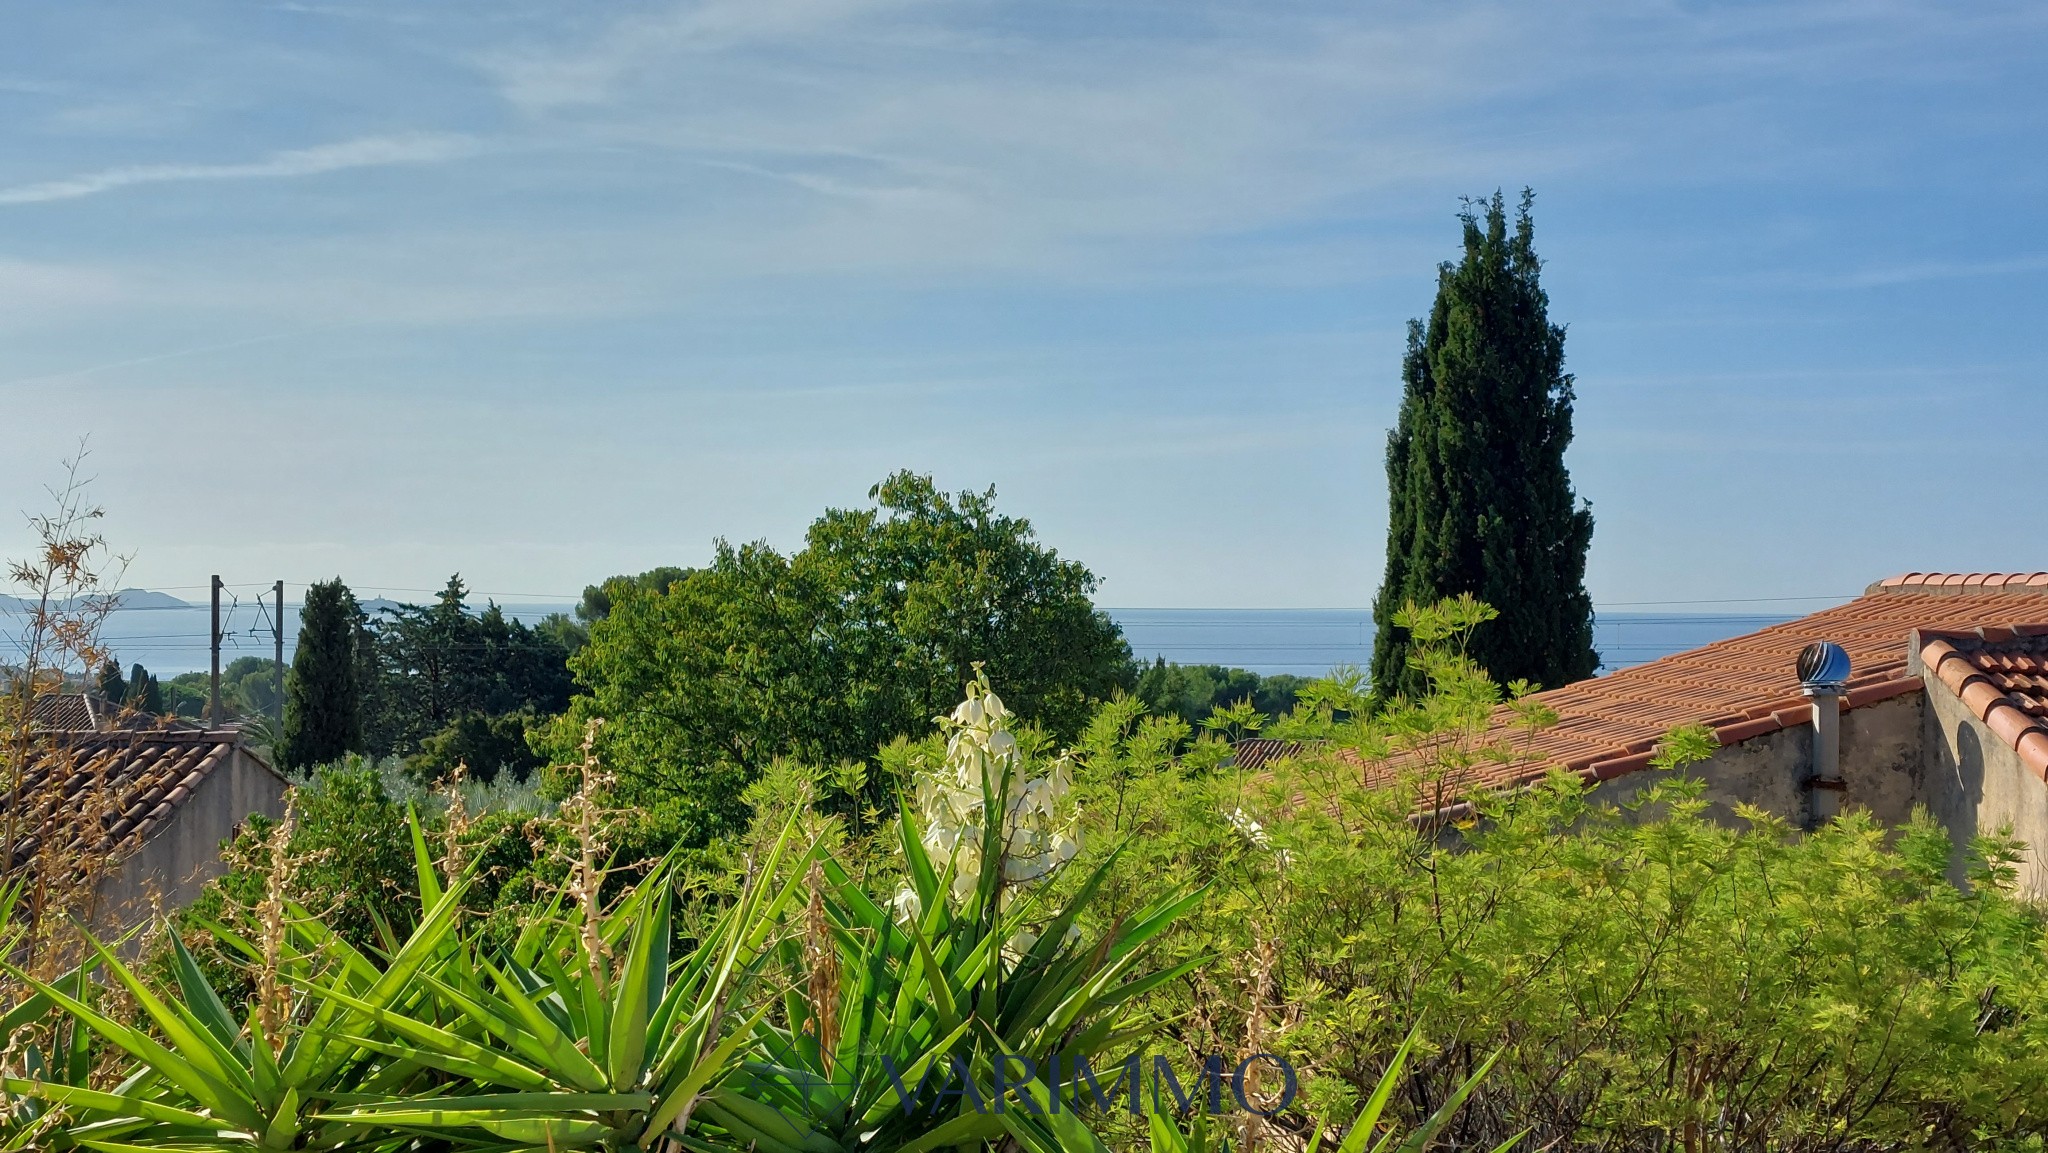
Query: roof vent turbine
1823	667
1823	675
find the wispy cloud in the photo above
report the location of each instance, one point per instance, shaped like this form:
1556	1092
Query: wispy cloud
364	152
549	78
174	354
1915	273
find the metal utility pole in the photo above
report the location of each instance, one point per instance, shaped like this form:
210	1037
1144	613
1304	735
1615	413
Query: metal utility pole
213	697
277	631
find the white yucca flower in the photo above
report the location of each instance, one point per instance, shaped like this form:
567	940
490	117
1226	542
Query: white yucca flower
1251	830
983	760
1248	828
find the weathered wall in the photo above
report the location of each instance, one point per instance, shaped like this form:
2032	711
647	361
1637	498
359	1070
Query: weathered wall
1882	767
177	862
1976	784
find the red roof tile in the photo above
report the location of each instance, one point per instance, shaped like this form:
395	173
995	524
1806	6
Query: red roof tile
1257	752
1745	687
91	712
2002	675
98	792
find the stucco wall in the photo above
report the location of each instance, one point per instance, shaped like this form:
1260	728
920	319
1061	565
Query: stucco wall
1976	783
177	862
1882	767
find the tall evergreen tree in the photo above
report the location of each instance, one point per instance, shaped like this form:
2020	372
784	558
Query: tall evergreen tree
144	693
1479	498
110	686
323	693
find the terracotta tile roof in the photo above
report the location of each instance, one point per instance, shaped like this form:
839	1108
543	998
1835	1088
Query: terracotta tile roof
95	792
90	712
1257	752
71	712
1745	686
2001	674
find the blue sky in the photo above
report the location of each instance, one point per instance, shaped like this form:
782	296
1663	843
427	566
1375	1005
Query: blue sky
542	292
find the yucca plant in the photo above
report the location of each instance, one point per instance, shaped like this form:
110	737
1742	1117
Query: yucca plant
967	966
583	1034
41	1043
1366	1134
202	1080
586	1034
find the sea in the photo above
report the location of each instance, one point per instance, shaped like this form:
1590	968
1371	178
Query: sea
169	636
1311	642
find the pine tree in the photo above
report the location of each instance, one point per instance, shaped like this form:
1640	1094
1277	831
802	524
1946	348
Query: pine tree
323	698
1479	498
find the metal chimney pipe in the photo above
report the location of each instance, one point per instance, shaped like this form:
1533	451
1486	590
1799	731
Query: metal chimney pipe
1823	675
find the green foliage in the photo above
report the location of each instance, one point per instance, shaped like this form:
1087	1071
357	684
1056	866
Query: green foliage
566	631
573	632
1367	1132
354	859
185	695
439	662
323	706
1193	692
585	1034
605	1024
248	692
597	599
484	746
144	693
1650	979
1605	969
942	983
110	684
1479	500
204	1080
353	853
820	657
248	687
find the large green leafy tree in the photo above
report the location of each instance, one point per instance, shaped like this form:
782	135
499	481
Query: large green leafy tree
867	633
323	692
573	632
597	598
1479	498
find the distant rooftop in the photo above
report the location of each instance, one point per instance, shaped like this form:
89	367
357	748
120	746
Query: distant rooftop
1745	687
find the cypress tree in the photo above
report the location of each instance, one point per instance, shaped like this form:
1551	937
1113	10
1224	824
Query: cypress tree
144	693
323	698
110	685
1479	498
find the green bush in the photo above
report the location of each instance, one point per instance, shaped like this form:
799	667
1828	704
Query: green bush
484	746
